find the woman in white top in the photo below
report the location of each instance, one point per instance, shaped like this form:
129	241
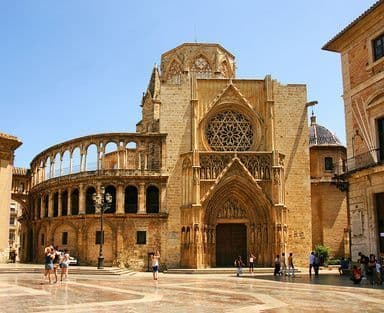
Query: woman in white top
155	264
64	263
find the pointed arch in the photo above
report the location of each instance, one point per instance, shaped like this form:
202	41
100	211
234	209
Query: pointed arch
201	66
174	72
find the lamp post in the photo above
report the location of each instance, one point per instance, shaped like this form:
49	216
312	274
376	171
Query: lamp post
102	202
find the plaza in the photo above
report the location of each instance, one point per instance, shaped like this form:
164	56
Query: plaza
138	292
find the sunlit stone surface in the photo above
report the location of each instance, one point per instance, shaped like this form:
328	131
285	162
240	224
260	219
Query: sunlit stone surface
187	293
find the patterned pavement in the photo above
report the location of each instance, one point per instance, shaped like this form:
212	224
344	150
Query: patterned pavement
188	293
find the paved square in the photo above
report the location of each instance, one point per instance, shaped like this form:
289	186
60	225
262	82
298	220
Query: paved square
187	293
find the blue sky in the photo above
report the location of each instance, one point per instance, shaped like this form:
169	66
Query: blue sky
78	67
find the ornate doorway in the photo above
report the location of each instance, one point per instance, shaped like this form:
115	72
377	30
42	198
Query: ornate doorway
231	241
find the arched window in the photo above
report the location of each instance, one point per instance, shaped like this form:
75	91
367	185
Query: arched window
130	199
64	203
152	199
89	206
39	208
46	200
55	204
91	164
75	202
112	191
174	73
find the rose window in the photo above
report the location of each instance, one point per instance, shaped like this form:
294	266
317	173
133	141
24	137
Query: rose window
229	131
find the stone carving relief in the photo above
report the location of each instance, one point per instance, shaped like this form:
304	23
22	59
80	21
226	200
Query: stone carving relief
229	131
201	67
211	165
232	209
174	73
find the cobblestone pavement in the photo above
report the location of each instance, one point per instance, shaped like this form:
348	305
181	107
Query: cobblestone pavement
188	293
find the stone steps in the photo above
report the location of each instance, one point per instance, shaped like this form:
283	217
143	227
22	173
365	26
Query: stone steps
216	270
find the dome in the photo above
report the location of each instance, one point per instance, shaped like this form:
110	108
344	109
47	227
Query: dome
320	135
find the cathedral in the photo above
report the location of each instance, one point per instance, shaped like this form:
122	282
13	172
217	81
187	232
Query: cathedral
218	167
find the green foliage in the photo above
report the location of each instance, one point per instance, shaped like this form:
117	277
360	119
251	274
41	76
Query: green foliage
323	251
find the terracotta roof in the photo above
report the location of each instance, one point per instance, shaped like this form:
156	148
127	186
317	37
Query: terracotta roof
19	171
374	6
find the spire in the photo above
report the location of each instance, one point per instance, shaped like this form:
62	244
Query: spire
313	118
154	83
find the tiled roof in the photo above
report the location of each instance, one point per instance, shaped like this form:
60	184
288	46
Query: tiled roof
374	6
320	135
20	171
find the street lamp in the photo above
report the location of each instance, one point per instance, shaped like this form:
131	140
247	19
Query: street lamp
102	202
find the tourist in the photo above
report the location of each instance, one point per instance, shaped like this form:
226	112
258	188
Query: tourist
311	262
56	259
290	265
363	264
356	275
155	264
316	264
371	268
344	265
283	266
251	263
64	264
239	264
48	264
277	266
378	280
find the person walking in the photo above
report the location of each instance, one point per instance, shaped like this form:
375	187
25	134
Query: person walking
48	264
316	264
277	266
378	280
239	264
251	263
155	264
290	265
283	266
311	262
64	264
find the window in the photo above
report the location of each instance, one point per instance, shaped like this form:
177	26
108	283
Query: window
42	239
11	220
328	163
12	235
98	237
64	238
152	199
378	47
380	129
141	237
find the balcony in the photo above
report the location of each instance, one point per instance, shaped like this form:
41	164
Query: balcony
365	160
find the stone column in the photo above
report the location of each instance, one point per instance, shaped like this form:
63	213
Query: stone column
59	204
50	205
81	199
120	199
69	208
42	207
142	201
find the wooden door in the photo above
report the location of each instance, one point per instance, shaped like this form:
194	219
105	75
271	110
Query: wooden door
231	241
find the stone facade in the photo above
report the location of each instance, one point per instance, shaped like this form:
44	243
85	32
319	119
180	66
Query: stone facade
8	144
218	167
360	45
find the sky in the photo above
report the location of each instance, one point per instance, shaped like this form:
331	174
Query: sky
79	67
